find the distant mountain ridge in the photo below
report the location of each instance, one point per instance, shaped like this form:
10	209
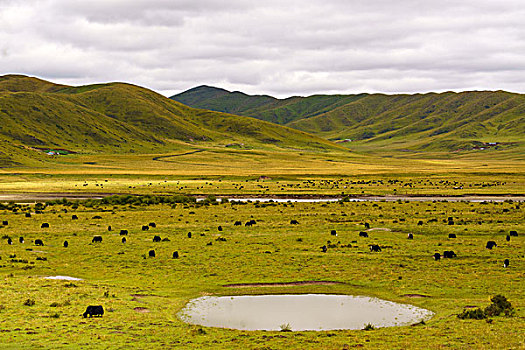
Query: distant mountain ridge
420	122
279	111
119	117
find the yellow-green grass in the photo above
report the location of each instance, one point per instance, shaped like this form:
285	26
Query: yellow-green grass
281	186
280	173
118	277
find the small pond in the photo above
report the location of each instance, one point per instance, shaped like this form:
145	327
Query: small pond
318	312
66	278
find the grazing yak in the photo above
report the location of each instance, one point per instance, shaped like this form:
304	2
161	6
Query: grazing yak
28	215
66	244
506	263
363	234
44	225
375	248
74	217
189	234
219	228
39	242
324	249
5	222
21	239
420	223
452	235
491	244
294	222
9	240
156	239
94	310
367	225
513	233
333	233
109	228
97	239
437	256
250	223
410	236
237	223
175	255
152	224
449	254
123	239
123	232
151	253
145	227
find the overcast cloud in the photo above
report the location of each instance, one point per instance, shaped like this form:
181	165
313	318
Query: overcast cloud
281	48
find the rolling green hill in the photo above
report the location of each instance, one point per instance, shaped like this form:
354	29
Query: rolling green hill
446	122
262	107
122	118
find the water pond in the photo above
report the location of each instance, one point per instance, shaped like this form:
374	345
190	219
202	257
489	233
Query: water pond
317	312
66	278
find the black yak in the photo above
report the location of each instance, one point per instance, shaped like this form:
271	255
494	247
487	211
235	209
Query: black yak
94	310
375	248
491	244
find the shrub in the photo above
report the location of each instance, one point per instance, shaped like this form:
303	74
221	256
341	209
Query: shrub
499	305
369	327
285	327
476	314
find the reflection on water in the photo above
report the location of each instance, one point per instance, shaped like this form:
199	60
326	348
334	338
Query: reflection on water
301	312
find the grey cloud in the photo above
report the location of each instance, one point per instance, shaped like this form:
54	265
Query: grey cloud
273	47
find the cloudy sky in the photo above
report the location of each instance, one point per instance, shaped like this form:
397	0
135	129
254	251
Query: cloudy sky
276	47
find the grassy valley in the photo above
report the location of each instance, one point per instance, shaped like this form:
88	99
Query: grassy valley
421	125
130	159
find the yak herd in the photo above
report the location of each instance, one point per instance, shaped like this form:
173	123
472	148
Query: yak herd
97	310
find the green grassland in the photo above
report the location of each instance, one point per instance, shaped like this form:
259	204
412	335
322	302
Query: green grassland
418	125
120	278
119	118
124	139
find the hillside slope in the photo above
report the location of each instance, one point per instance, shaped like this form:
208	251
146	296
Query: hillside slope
260	106
376	122
118	117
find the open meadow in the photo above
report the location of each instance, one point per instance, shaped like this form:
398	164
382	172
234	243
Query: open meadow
143	295
129	159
